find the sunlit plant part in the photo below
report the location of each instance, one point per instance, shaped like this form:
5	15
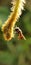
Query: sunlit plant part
8	26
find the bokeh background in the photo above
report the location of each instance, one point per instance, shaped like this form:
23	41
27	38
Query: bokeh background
16	52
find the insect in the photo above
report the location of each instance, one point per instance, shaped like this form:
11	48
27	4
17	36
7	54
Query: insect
8	26
20	34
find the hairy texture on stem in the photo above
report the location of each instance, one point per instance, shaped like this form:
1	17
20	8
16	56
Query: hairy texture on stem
8	26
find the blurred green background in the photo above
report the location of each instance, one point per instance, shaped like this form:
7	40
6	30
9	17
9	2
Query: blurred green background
16	52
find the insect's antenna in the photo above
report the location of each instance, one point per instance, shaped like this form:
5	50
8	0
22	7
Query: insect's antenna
8	26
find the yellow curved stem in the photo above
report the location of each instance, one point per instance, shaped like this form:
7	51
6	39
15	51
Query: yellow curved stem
8	26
